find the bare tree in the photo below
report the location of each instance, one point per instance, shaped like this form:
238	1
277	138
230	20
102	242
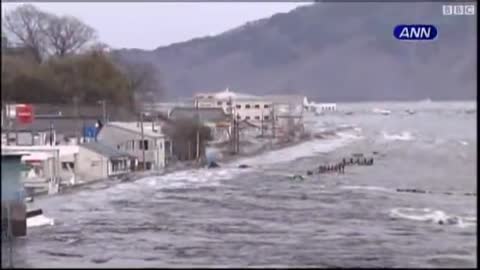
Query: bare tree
143	79
44	33
66	35
99	47
27	24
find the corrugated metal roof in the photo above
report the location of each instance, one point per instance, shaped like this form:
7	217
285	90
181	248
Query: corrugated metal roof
61	125
135	128
204	114
104	150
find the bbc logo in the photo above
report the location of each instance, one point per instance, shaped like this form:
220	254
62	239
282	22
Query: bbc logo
458	10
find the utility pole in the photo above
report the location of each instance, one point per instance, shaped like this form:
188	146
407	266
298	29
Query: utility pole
104	111
142	140
189	150
237	137
233	135
51	134
262	123
273	121
76	116
198	131
233	123
8	121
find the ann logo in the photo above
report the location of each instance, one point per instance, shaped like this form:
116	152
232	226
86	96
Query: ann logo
415	32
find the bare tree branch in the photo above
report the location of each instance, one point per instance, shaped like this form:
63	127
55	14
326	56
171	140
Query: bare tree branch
142	77
44	33
26	23
67	35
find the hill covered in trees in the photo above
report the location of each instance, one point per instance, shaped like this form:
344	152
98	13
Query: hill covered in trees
330	52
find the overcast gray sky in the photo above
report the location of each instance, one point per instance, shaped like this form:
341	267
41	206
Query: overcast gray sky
150	25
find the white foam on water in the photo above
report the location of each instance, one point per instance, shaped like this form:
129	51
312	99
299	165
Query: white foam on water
40	220
463	143
306	149
432	216
367	188
188	178
404	136
350	136
381	111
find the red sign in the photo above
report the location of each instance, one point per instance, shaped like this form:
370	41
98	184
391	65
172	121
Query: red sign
24	113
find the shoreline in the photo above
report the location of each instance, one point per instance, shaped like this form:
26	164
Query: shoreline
134	176
263	149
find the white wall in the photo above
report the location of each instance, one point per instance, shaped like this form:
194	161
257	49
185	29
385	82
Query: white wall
252	114
114	136
91	165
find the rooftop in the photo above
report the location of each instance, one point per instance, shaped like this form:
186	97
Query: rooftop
135	128
204	114
227	94
104	150
63	150
290	99
61	125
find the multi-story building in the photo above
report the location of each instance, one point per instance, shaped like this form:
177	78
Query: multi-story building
244	107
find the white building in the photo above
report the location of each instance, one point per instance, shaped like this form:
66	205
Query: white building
126	136
319	107
97	160
47	165
259	111
244	107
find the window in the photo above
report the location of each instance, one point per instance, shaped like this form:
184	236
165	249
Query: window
219	103
210	97
266	117
257	106
229	103
247	117
257	117
67	165
159	144
239	106
130	145
167	145
143	145
266	106
119	165
238	116
247	106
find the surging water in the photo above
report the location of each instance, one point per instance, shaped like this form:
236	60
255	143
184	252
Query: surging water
259	217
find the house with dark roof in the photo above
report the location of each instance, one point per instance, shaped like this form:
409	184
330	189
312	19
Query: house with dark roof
205	115
97	160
